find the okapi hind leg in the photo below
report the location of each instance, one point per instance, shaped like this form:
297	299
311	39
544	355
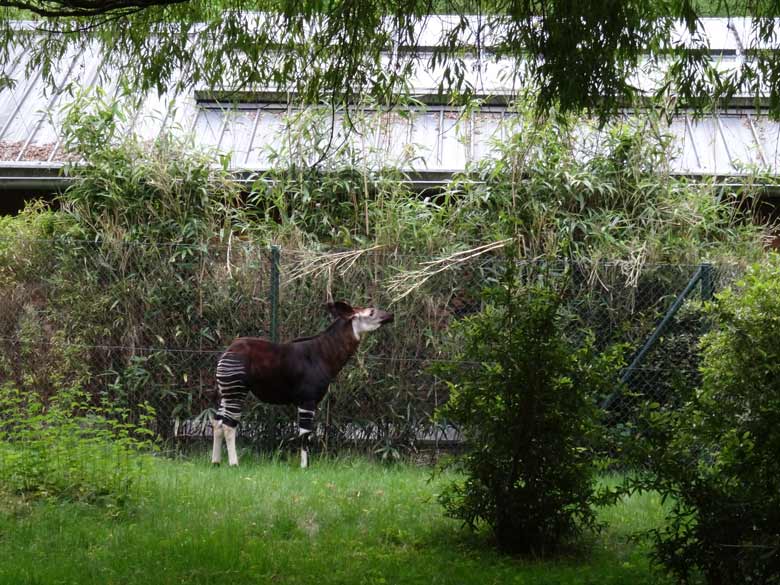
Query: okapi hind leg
230	440
231	376
216	450
305	427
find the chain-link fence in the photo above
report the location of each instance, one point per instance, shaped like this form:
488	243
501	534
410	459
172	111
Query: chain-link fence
145	323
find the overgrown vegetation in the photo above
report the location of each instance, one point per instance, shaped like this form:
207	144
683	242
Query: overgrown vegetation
715	455
128	191
155	259
563	187
71	448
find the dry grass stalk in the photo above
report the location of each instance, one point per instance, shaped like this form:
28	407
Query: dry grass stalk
403	284
631	268
316	264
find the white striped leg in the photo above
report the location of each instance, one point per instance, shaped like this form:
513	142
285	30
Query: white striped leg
216	450
305	427
304	458
230	439
231	377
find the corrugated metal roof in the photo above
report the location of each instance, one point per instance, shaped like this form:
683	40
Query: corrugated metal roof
434	140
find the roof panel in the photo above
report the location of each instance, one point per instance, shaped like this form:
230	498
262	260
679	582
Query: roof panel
26	111
455	140
716	34
685	157
15	104
425	139
740	142
241	135
30	104
149	117
485	76
434	139
268	139
391	135
430	32
709	146
180	111
44	137
235	136
486	130
768	133
746	29
208	125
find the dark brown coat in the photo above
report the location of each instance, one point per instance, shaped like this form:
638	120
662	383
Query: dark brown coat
298	372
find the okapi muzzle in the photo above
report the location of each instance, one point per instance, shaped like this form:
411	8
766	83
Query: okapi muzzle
298	372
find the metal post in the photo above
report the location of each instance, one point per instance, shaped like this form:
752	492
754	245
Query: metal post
707	282
655	335
274	293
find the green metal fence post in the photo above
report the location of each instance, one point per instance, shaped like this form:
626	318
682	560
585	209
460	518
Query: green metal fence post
628	372
707	282
274	293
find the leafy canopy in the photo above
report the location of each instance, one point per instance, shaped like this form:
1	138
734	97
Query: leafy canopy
579	55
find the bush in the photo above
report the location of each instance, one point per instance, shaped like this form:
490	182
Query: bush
716	457
70	449
523	398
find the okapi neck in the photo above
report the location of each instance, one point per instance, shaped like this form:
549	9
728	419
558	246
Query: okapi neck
339	344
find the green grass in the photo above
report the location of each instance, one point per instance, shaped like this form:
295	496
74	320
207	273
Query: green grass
345	521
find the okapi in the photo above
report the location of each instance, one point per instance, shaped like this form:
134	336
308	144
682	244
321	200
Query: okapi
296	373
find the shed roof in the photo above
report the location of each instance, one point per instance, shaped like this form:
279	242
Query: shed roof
428	142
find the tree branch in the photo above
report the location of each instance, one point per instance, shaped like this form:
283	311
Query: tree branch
83	8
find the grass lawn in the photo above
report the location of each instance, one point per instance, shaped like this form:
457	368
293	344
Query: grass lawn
344	521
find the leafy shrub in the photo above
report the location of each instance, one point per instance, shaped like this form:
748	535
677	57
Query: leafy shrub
716	457
70	448
591	194
128	190
523	397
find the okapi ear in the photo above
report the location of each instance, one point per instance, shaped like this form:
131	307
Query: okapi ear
340	310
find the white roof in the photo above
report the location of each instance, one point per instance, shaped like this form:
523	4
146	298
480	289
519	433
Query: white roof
422	140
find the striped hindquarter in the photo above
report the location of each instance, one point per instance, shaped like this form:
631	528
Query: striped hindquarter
231	381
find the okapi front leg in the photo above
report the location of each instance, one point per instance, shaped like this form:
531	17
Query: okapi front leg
305	428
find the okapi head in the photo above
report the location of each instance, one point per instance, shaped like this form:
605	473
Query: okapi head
363	319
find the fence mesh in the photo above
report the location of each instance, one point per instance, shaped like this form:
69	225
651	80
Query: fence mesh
139	323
